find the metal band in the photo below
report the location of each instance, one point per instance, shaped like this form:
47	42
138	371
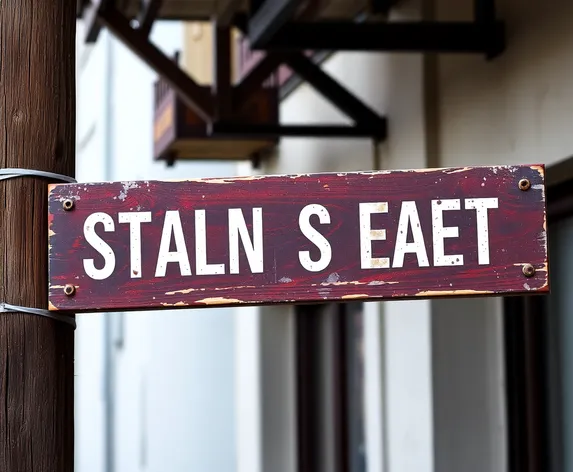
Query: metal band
11	173
15	172
7	308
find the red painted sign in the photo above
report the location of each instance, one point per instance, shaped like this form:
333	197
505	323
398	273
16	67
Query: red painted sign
300	238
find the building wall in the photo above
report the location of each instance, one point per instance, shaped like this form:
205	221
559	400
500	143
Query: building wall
514	109
444	401
89	360
156	388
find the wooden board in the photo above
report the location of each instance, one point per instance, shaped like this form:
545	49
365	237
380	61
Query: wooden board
308	238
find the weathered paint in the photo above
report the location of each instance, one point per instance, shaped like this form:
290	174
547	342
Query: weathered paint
317	237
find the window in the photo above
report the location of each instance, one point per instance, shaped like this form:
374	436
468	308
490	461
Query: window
539	348
330	388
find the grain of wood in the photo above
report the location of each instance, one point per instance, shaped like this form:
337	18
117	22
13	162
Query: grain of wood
37	131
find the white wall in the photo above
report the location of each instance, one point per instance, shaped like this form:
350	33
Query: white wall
173	382
89	393
516	109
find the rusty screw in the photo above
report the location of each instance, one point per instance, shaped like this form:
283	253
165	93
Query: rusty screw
68	204
69	290
524	184
528	270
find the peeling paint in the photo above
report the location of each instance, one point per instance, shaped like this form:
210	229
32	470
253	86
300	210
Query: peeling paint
431	293
174	304
126	187
456	171
285	280
357	295
219	301
202	289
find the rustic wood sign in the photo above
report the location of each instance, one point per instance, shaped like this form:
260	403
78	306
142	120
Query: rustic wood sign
301	238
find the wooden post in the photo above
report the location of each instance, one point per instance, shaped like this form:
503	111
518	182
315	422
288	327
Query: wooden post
37	131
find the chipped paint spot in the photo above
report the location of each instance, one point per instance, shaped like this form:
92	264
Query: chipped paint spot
381	282
285	280
356	295
126	187
455	171
332	278
431	293
526	286
202	289
51	233
219	301
538	168
52	307
175	304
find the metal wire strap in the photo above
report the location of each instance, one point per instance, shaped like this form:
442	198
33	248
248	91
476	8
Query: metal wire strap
7	308
15	172
11	173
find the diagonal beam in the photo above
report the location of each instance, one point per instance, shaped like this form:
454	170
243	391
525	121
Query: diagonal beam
269	18
195	96
149	11
338	95
91	21
255	77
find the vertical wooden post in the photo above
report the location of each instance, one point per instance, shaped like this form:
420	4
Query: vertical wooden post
37	131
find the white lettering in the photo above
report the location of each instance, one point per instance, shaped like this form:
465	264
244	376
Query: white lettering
99	245
315	237
409	217
201	248
367	235
135	219
253	248
172	225
440	233
481	205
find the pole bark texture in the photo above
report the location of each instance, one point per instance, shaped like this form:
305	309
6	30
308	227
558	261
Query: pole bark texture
37	131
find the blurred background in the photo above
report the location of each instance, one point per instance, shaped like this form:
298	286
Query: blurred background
417	386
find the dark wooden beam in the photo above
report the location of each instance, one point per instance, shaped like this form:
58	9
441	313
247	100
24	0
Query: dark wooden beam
195	96
335	93
225	11
148	14
269	17
376	130
222	87
484	11
382	6
91	21
419	36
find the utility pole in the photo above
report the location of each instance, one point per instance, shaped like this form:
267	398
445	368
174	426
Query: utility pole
37	131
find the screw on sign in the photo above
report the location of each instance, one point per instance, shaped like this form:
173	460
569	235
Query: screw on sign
471	231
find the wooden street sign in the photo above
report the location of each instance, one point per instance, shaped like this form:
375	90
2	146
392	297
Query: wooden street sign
298	239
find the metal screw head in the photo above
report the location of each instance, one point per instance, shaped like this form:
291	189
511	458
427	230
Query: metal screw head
528	270
68	204
524	184
69	290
